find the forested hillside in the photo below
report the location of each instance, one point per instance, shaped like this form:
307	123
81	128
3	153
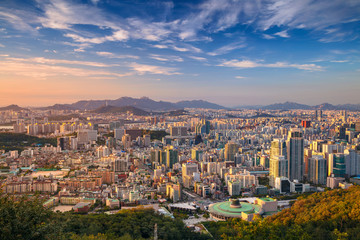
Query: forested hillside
27	219
329	215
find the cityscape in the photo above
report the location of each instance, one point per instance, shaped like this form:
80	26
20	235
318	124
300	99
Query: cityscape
212	119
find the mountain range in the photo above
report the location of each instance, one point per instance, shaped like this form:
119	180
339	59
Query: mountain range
149	105
13	107
143	103
112	109
324	106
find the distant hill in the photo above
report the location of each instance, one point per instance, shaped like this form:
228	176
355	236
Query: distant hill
58	107
176	113
198	104
143	103
295	106
12	107
287	106
326	106
112	109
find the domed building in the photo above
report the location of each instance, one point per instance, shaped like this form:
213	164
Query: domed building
244	210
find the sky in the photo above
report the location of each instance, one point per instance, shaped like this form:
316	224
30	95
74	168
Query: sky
233	53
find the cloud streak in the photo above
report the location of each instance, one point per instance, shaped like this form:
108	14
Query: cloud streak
251	64
228	48
46	68
112	55
142	69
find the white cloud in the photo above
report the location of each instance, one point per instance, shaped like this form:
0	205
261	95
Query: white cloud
61	14
183	48
198	58
2	45
42	60
251	64
166	58
16	20
112	55
180	49
283	34
228	48
240	77
39	68
160	46
339	61
322	16
120	36
151	69
267	36
186	48
95	2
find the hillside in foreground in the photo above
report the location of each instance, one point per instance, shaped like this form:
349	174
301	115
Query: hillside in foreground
27	219
329	215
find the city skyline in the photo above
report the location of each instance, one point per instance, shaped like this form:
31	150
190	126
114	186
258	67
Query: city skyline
227	52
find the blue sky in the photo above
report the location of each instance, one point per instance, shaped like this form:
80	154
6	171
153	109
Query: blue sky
230	52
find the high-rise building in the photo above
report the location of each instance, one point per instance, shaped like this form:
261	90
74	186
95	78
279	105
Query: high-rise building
317	169
344	116
196	154
278	168
126	140
67	143
171	157
234	188
305	123
155	155
278	148
203	127
352	162
188	169
119	133
318	115
231	148
147	140
295	154
178	131
86	135
337	165
120	165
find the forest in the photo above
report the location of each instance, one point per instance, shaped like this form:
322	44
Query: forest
27	219
333	214
19	141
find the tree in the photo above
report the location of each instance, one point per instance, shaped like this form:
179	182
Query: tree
26	218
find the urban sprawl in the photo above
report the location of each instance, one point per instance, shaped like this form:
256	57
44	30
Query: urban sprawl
213	164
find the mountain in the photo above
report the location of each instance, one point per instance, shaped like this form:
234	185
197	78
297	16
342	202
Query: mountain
12	107
294	106
350	107
57	107
287	106
326	106
198	104
143	103
112	109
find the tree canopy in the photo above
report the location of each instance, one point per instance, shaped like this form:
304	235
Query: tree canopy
333	214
